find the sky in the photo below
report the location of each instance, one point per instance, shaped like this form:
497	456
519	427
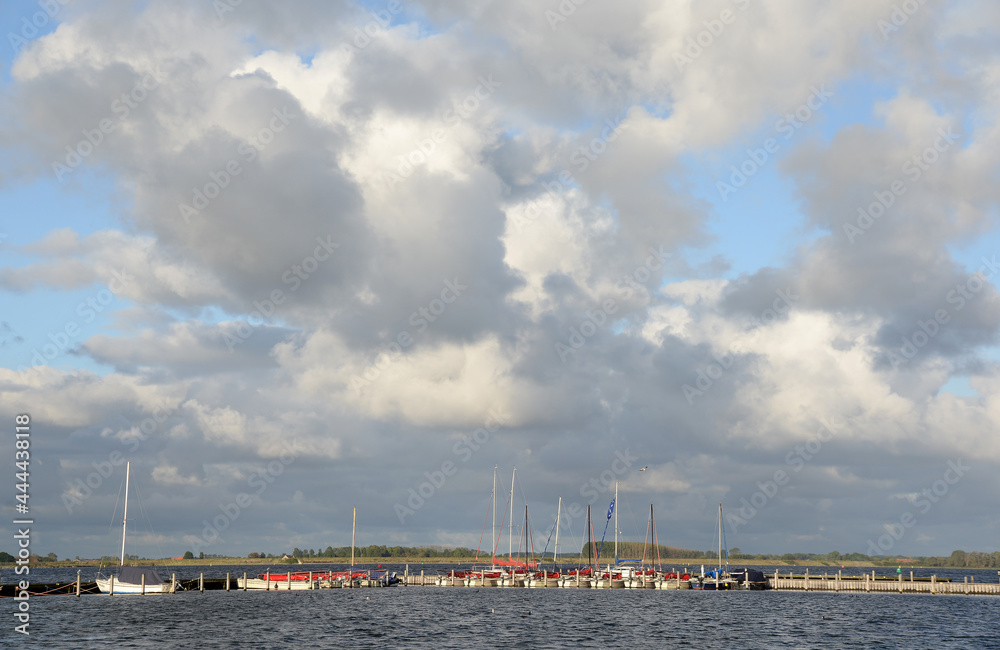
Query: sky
289	260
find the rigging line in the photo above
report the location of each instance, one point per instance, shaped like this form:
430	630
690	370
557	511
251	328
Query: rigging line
503	519
551	530
531	540
149	523
631	513
656	541
107	540
485	519
645	540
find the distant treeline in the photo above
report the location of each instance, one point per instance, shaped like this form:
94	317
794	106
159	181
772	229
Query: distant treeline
377	550
626	550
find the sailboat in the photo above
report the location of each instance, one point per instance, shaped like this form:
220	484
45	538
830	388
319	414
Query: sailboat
545	578
132	579
612	578
718	579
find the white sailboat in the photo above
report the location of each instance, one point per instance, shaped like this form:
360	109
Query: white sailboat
132	579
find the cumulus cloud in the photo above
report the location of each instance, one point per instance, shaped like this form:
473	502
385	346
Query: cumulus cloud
353	243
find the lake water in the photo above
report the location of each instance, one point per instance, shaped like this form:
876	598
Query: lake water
462	617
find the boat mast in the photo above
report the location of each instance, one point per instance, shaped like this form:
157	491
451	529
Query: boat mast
494	499
555	553
589	528
128	467
354	525
510	531
720	543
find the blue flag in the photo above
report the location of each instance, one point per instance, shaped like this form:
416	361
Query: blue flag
611	508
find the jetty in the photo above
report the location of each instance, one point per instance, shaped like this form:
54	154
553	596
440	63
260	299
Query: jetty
281	582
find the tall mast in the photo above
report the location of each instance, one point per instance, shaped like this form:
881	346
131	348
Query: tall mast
494	499
510	531
720	539
555	553
128	467
616	523
589	560
354	525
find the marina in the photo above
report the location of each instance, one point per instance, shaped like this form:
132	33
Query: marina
674	580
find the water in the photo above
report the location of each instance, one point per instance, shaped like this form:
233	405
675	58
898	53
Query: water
444	617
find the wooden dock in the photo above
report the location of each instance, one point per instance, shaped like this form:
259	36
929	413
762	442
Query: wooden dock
826	582
869	583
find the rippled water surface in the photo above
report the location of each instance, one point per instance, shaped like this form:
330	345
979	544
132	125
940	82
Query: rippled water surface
470	617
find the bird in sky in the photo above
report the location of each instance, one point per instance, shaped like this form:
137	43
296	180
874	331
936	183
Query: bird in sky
643	469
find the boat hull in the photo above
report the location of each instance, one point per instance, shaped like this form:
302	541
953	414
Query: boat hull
128	588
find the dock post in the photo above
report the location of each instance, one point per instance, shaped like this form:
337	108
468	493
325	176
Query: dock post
807	579
201	582
421	577
900	583
173	582
227	581
406	574
310	579
142	588
838	582
966	585
77	583
112	589
289	578
868	586
911	576
267	580
933	583
244	581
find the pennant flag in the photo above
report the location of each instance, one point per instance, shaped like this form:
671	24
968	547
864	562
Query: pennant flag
611	508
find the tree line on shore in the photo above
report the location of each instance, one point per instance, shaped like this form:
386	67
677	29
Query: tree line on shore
626	550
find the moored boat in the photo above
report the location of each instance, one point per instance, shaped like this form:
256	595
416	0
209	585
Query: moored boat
132	579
